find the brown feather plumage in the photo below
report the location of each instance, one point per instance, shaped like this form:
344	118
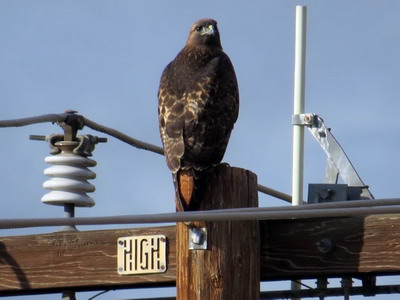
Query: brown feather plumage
186	186
198	106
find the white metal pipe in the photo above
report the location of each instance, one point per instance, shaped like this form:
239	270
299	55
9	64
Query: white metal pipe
298	130
299	88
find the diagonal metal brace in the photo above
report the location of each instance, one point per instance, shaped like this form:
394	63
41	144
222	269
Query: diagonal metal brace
338	162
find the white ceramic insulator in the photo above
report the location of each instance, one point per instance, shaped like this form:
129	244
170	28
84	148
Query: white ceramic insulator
68	183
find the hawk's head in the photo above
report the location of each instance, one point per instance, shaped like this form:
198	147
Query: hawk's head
204	32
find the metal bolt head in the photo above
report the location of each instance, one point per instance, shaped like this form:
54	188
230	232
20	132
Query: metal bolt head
307	118
325	245
197	236
326	194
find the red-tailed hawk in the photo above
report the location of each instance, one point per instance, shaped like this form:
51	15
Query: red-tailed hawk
198	103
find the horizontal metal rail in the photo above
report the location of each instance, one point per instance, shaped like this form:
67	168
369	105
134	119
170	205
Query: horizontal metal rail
323	210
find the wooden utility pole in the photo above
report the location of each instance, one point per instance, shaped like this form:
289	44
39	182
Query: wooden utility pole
230	267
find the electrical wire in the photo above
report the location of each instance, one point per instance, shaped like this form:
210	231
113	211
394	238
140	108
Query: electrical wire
159	150
52	118
99	294
123	137
303	284
58	118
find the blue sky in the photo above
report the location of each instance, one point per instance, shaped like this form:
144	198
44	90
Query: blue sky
104	59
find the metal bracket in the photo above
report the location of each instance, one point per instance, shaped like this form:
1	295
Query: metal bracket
369	286
325	192
197	237
87	144
73	122
84	144
303	119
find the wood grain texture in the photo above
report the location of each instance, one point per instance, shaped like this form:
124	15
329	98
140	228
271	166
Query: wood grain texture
361	246
78	260
229	268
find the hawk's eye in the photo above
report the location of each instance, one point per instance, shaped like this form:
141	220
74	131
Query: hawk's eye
198	28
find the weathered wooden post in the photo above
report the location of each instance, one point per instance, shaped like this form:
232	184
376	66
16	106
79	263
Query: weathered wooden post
230	266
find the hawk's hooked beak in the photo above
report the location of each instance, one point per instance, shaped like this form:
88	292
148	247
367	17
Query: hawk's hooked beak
208	30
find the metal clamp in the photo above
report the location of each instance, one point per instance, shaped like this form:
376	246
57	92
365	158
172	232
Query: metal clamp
303	119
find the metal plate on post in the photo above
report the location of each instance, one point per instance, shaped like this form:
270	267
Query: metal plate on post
142	254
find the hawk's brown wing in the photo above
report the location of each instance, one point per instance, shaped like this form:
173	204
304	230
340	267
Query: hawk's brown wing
171	115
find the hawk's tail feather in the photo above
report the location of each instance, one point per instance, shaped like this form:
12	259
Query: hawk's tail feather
187	184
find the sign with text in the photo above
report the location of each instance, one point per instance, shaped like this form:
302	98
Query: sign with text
142	254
